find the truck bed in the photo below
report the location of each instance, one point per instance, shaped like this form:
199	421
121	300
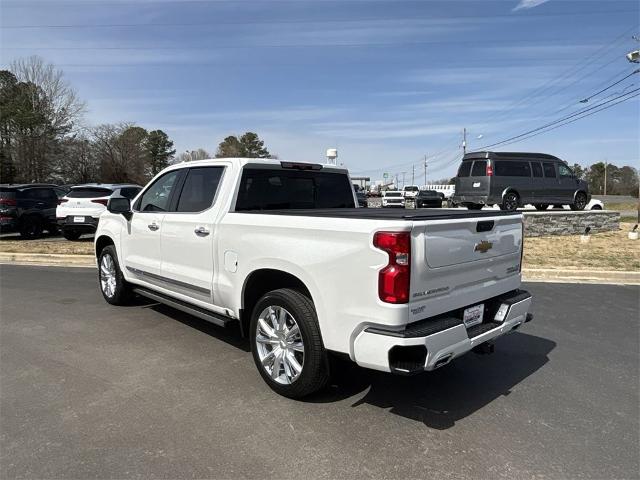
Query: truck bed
386	213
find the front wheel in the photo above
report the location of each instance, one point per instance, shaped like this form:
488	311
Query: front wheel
71	234
115	289
31	228
580	202
286	343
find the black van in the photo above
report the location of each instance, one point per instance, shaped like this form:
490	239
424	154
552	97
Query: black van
511	180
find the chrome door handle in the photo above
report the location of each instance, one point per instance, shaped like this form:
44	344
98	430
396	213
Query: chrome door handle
201	231
153	226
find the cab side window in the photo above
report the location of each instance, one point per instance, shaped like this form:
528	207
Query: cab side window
157	196
565	171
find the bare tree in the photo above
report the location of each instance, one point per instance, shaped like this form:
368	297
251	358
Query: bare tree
190	155
120	151
78	162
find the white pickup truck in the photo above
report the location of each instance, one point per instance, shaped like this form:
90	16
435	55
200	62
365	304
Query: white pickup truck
282	248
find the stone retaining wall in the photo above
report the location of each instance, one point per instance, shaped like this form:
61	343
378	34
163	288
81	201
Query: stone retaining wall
538	224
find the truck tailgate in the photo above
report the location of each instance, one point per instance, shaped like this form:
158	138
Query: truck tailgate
462	261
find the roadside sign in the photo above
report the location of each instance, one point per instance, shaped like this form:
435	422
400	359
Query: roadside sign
385	175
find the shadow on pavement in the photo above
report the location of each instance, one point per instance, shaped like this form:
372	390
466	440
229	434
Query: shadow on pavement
440	398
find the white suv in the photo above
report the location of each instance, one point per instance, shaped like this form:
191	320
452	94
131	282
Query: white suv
78	211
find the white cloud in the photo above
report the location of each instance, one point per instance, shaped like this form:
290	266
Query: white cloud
526	4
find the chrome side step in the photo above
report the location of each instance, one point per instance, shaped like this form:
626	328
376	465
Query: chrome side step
194	310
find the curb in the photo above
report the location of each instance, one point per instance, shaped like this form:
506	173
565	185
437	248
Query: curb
580	276
48	259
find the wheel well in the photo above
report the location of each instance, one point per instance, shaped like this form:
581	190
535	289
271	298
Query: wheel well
579	191
262	281
102	242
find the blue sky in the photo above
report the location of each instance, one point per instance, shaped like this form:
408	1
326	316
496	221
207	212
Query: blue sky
385	82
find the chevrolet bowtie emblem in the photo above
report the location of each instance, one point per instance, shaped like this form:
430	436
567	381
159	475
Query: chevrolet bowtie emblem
483	246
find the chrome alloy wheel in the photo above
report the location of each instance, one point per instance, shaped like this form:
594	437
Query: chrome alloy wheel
108	275
279	345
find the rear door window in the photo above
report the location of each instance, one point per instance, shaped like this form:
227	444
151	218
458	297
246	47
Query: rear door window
465	169
536	168
199	189
549	170
273	189
479	168
512	168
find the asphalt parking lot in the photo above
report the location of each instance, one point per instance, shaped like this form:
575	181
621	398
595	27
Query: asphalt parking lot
94	391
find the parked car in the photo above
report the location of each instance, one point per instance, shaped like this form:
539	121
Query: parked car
410	191
362	199
511	180
29	208
79	210
429	199
392	198
281	249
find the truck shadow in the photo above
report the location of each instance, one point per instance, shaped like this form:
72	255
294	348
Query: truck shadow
440	398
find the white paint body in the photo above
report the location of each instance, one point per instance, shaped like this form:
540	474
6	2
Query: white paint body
333	257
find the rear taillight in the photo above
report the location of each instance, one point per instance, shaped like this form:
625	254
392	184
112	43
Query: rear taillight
62	200
8	202
393	280
489	169
101	201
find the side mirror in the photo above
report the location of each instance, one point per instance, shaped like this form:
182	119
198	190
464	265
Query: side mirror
120	205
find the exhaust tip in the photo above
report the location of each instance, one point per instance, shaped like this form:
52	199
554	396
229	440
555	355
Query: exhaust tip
528	318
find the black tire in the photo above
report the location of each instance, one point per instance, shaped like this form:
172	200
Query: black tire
314	375
122	293
596	207
71	234
31	227
541	206
580	201
557	205
53	229
510	202
474	206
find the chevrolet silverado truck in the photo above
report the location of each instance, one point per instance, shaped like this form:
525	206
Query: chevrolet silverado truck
282	249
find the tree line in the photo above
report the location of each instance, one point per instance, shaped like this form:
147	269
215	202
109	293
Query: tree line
619	180
43	137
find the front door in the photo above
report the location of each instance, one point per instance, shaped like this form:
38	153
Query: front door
567	183
188	235
141	242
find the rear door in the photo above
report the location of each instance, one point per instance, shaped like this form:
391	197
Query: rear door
188	234
461	261
516	175
472	178
141	241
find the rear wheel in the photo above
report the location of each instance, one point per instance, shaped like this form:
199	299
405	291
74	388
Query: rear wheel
286	343
115	289
71	234
580	201
541	206
509	202
31	227
474	206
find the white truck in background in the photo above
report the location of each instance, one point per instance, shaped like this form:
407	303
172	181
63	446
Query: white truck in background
282	249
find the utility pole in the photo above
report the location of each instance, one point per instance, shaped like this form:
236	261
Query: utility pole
464	140
425	170
413	174
403	174
605	177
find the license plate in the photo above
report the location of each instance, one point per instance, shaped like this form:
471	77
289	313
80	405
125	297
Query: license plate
78	219
473	315
476	184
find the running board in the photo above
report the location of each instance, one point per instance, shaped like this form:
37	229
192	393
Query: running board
194	310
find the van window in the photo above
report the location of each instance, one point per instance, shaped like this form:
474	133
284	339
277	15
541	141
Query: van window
549	170
479	168
506	168
465	169
536	169
565	171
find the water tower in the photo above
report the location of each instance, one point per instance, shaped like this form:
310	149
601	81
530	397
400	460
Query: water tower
332	156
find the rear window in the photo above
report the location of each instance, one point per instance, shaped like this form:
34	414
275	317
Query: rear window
89	192
269	189
465	169
506	168
479	168
410	189
130	192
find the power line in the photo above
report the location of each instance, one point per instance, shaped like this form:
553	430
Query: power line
557	121
575	119
609	86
